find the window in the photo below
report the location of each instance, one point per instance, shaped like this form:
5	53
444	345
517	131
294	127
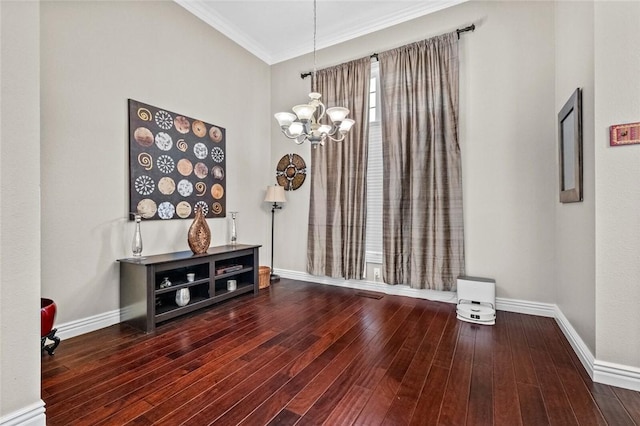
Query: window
374	88
374	173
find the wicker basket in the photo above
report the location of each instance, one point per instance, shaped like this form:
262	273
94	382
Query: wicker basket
265	273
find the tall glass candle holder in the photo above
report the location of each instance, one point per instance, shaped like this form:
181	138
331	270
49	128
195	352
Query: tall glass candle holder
136	244
234	229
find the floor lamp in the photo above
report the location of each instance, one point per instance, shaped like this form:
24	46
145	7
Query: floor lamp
275	195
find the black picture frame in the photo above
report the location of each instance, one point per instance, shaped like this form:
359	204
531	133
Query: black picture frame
570	149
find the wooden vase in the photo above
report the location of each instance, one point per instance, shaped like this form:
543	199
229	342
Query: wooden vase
199	235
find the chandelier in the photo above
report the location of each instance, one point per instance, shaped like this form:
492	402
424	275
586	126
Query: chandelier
306	124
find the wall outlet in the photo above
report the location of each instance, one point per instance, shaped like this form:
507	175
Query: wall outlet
376	274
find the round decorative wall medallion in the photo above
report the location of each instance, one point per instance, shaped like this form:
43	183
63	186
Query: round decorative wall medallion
291	172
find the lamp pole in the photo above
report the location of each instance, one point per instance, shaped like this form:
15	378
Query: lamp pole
273	277
275	195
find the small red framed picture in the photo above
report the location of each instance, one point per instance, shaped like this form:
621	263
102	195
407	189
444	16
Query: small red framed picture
624	134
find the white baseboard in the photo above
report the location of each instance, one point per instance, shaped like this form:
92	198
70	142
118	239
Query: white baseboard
31	415
87	325
396	290
618	375
509	305
526	307
604	372
579	347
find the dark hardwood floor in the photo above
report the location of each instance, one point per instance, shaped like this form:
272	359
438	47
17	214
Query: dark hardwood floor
309	354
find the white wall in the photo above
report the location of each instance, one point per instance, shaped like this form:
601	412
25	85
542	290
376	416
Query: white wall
617	210
575	222
507	118
94	56
20	212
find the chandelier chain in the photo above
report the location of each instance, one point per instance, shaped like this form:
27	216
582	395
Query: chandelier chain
315	24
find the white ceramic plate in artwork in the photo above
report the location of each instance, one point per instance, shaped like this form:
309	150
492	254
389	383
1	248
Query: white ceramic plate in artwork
185	188
166	210
164	141
200	150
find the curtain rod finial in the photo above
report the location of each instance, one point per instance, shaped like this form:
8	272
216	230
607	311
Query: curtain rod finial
471	27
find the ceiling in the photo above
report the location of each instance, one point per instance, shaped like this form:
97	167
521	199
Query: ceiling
276	31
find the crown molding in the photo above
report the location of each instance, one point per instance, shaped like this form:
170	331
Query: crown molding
359	28
199	9
402	15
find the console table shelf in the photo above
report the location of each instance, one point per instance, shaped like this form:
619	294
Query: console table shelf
144	304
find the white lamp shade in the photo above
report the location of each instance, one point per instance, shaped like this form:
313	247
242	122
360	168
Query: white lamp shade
304	112
346	125
337	113
284	118
275	194
325	128
296	128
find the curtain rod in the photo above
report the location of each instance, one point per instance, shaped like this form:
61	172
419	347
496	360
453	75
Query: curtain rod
471	28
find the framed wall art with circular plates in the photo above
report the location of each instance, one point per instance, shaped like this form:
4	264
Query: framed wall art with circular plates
176	164
291	172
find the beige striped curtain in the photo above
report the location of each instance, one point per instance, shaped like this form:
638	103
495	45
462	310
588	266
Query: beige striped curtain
423	239
337	207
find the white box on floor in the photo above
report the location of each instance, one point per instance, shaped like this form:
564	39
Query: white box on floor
476	300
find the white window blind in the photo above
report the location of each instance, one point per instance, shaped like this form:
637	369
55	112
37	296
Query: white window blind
374	174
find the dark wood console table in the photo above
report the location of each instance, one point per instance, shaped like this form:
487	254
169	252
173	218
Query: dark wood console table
143	303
